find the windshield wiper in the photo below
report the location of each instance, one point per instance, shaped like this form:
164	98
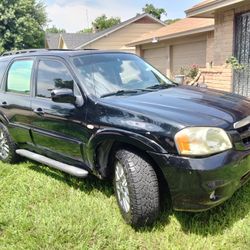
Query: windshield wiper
161	86
120	92
128	91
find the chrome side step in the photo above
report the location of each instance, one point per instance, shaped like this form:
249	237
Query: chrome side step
78	172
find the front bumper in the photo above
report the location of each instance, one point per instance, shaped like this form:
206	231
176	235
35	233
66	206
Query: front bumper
199	184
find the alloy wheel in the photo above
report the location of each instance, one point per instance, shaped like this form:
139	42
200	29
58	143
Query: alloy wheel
122	187
4	147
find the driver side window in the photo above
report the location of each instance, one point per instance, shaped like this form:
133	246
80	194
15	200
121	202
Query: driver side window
52	75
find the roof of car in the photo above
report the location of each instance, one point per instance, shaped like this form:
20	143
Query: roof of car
53	52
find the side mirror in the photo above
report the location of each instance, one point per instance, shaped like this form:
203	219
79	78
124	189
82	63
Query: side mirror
63	96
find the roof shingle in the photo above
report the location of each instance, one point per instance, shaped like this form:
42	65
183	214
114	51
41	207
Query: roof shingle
191	25
74	40
77	40
203	3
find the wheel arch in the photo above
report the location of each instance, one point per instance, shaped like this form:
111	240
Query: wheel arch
101	143
105	143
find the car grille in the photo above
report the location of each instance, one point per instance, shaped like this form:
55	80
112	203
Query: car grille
245	134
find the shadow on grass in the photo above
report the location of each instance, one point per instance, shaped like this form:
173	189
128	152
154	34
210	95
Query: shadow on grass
211	222
86	185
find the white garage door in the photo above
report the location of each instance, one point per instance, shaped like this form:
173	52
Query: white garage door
185	55
157	57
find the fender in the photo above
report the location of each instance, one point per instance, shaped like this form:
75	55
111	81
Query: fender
100	145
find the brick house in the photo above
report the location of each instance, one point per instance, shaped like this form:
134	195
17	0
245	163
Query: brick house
231	37
228	36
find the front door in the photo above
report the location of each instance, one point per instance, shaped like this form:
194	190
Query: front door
242	52
57	128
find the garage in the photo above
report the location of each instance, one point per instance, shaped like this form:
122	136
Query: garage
181	44
157	57
185	55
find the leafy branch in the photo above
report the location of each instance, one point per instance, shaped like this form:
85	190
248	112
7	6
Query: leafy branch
236	65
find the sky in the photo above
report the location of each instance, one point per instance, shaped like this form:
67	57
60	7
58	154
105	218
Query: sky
75	15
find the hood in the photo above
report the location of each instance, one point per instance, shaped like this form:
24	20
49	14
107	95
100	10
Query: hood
184	106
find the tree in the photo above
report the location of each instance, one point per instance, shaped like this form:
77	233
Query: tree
21	24
170	21
54	29
103	22
152	10
86	30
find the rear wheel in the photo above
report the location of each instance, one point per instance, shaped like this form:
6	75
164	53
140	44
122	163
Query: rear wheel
7	146
136	188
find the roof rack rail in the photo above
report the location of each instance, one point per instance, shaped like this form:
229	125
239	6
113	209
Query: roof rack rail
24	51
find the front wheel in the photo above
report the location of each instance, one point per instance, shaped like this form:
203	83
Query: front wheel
136	188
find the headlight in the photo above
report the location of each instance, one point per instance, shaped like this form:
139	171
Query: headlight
202	141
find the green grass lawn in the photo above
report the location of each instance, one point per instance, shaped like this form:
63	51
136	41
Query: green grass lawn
45	209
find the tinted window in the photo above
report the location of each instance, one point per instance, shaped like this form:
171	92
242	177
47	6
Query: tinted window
3	65
52	75
19	76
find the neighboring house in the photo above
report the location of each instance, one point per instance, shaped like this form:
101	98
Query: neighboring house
178	45
114	38
51	40
231	37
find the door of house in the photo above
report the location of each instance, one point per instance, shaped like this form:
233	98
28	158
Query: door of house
242	52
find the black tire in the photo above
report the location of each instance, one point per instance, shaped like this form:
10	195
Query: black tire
139	206
7	146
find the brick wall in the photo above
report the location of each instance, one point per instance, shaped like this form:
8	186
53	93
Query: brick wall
223	37
218	75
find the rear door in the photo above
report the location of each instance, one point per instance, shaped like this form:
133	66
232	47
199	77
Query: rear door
15	99
57	128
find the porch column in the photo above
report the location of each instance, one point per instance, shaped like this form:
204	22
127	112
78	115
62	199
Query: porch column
138	50
168	64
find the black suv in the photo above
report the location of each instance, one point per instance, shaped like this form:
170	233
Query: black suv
113	115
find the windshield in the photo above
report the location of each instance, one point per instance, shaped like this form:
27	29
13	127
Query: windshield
107	73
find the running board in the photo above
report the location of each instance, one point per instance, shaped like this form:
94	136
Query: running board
78	172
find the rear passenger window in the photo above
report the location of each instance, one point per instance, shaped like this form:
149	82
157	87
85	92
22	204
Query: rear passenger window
19	76
52	75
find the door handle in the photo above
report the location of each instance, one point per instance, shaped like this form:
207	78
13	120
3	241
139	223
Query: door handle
39	111
4	104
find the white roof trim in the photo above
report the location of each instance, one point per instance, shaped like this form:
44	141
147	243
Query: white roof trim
175	35
122	26
209	7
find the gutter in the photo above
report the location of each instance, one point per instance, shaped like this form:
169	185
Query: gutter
210	7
